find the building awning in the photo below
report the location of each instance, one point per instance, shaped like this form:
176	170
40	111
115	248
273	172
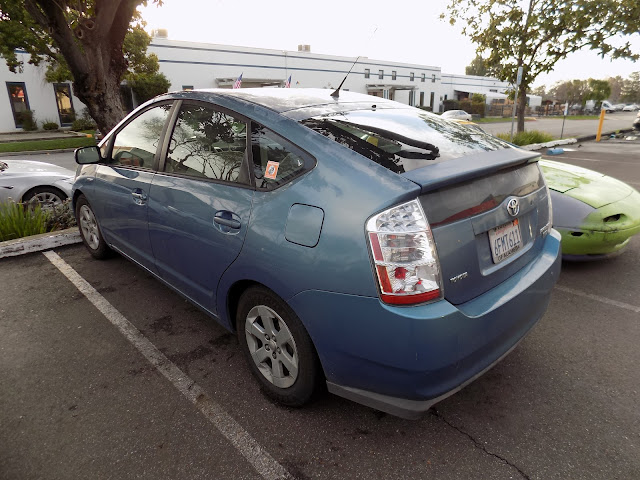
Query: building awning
378	87
248	82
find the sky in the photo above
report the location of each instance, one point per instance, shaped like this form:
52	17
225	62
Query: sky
400	30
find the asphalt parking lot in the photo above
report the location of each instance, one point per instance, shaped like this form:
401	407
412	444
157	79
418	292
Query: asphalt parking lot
116	376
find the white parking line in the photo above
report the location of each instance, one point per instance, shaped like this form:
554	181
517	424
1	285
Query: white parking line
598	298
264	463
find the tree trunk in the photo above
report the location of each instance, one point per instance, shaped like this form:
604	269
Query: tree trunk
522	105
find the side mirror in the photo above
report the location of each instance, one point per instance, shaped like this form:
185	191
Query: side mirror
87	155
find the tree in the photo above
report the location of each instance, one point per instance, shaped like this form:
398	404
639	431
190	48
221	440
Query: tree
599	90
87	35
542	33
478	66
616	84
572	92
541	91
631	89
143	75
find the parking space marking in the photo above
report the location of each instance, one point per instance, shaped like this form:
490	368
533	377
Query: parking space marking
598	298
248	447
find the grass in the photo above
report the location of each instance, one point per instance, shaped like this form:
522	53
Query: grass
56	144
18	220
527	137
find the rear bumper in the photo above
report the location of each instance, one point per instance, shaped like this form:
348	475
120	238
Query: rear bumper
402	360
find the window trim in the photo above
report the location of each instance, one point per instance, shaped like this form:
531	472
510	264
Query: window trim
26	99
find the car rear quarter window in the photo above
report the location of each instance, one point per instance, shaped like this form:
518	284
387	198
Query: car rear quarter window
403	139
275	160
135	145
208	143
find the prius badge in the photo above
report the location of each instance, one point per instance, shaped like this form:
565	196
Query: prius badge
513	207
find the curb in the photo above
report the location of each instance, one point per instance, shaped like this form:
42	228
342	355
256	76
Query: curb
37	243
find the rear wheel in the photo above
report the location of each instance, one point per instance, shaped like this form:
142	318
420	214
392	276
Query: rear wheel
90	230
277	347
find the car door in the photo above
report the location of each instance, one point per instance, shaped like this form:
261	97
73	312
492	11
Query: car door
200	201
121	187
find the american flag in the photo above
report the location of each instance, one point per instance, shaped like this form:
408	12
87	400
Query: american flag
238	82
287	84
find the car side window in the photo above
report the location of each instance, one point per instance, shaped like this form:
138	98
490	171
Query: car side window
135	145
275	160
208	143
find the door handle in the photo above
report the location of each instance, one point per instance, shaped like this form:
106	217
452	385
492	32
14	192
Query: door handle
227	222
139	197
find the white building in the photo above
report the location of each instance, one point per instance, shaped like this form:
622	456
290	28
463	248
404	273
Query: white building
190	65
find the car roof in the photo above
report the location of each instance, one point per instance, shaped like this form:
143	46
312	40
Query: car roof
283	100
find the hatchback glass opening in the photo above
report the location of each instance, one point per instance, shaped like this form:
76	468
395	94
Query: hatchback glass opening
403	139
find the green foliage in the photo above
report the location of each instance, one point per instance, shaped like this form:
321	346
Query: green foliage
84	122
18	220
599	90
49	125
527	137
478	98
478	66
143	76
572	91
537	34
61	217
631	89
57	144
28	121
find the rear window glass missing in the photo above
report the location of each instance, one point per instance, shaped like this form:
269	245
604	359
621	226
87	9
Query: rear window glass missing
403	139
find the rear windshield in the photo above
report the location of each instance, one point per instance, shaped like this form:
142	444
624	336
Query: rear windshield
403	139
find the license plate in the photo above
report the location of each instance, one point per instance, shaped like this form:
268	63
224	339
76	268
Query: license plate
505	240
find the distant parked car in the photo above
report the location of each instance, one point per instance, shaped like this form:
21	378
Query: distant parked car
630	108
34	182
350	241
457	115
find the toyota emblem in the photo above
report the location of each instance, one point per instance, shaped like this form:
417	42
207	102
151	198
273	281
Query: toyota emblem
513	207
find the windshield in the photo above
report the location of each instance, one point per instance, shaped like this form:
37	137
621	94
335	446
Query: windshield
403	139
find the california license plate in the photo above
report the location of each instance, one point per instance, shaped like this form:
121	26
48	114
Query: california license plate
505	240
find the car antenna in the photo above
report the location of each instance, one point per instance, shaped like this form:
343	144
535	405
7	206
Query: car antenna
336	93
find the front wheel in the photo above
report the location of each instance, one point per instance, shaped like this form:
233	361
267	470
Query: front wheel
90	230
278	348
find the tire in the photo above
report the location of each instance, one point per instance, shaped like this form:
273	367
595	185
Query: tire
47	197
285	364
90	230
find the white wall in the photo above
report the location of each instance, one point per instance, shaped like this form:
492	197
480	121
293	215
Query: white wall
40	94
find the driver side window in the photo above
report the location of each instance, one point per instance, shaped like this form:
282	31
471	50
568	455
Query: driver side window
136	144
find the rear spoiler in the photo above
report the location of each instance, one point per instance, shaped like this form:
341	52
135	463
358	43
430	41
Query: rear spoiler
443	174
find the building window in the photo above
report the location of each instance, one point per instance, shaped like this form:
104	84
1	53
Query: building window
394	74
422	99
411	76
367	73
423	78
64	103
187	87
380	74
433	78
19	101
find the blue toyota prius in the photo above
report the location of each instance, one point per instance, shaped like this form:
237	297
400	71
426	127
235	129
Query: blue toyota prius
352	242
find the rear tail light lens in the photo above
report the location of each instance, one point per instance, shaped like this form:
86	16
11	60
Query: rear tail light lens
404	255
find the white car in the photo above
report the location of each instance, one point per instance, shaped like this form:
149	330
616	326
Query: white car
630	108
28	181
457	115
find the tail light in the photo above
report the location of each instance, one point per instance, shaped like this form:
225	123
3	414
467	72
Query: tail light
547	228
404	255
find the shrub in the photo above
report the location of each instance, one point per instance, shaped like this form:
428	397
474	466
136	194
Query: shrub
527	137
61	217
84	122
28	121
18	220
49	125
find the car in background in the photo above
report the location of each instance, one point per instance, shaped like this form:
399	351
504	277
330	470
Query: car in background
596	214
457	115
350	241
631	108
636	122
27	181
